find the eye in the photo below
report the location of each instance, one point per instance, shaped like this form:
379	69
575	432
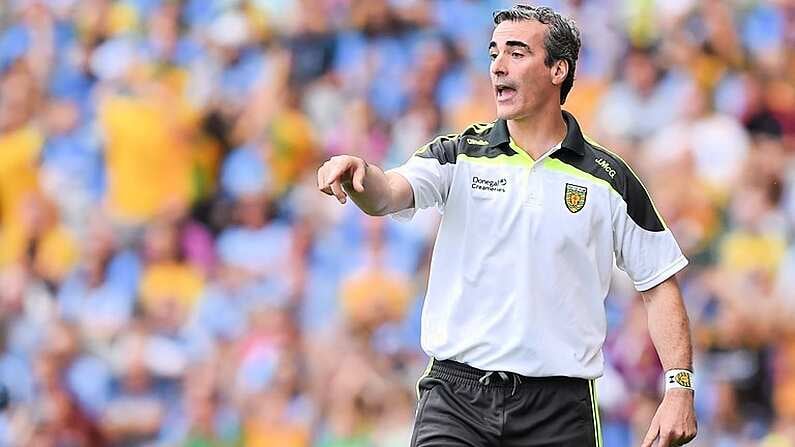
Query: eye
517	55
492	56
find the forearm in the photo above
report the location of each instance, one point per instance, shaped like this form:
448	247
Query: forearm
674	423
669	326
379	196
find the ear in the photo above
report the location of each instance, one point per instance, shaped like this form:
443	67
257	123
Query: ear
559	70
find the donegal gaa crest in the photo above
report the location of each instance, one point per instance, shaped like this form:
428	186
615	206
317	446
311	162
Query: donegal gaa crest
683	379
575	197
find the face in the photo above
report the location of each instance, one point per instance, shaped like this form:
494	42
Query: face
522	82
640	72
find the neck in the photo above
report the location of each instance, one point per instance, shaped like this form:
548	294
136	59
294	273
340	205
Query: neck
538	132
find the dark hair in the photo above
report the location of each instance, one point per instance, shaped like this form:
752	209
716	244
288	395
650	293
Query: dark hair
561	42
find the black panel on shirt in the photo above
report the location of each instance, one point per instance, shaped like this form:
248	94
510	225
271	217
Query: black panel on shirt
443	149
474	141
604	165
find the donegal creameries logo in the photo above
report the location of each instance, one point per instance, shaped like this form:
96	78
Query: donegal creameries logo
484	184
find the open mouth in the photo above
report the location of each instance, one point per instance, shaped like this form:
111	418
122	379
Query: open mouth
504	92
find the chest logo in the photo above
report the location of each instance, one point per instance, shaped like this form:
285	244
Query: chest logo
575	197
484	184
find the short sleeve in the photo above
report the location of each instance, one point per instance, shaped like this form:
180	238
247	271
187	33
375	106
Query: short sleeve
644	247
429	171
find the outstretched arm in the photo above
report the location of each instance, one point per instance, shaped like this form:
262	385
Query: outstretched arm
377	193
674	423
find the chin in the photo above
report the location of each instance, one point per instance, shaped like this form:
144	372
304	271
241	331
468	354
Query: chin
506	113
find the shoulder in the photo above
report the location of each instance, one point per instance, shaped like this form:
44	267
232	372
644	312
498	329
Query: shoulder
615	170
607	166
445	149
600	163
604	164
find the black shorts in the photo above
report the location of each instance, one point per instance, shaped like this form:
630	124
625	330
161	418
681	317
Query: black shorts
464	406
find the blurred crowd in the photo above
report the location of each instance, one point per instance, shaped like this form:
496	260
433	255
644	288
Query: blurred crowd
170	275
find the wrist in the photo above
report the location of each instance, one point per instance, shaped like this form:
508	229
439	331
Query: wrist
680	393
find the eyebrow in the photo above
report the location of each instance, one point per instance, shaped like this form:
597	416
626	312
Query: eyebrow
511	43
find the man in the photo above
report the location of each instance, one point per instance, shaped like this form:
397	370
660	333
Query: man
533	214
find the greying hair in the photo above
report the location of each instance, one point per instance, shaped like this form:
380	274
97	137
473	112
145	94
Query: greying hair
561	42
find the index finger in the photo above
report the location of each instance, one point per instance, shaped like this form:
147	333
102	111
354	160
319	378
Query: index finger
320	176
651	435
329	176
358	177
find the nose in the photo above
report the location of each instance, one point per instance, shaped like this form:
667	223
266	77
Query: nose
498	66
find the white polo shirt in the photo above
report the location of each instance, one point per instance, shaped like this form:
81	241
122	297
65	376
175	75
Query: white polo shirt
524	253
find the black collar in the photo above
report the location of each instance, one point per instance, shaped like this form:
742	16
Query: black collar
573	141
